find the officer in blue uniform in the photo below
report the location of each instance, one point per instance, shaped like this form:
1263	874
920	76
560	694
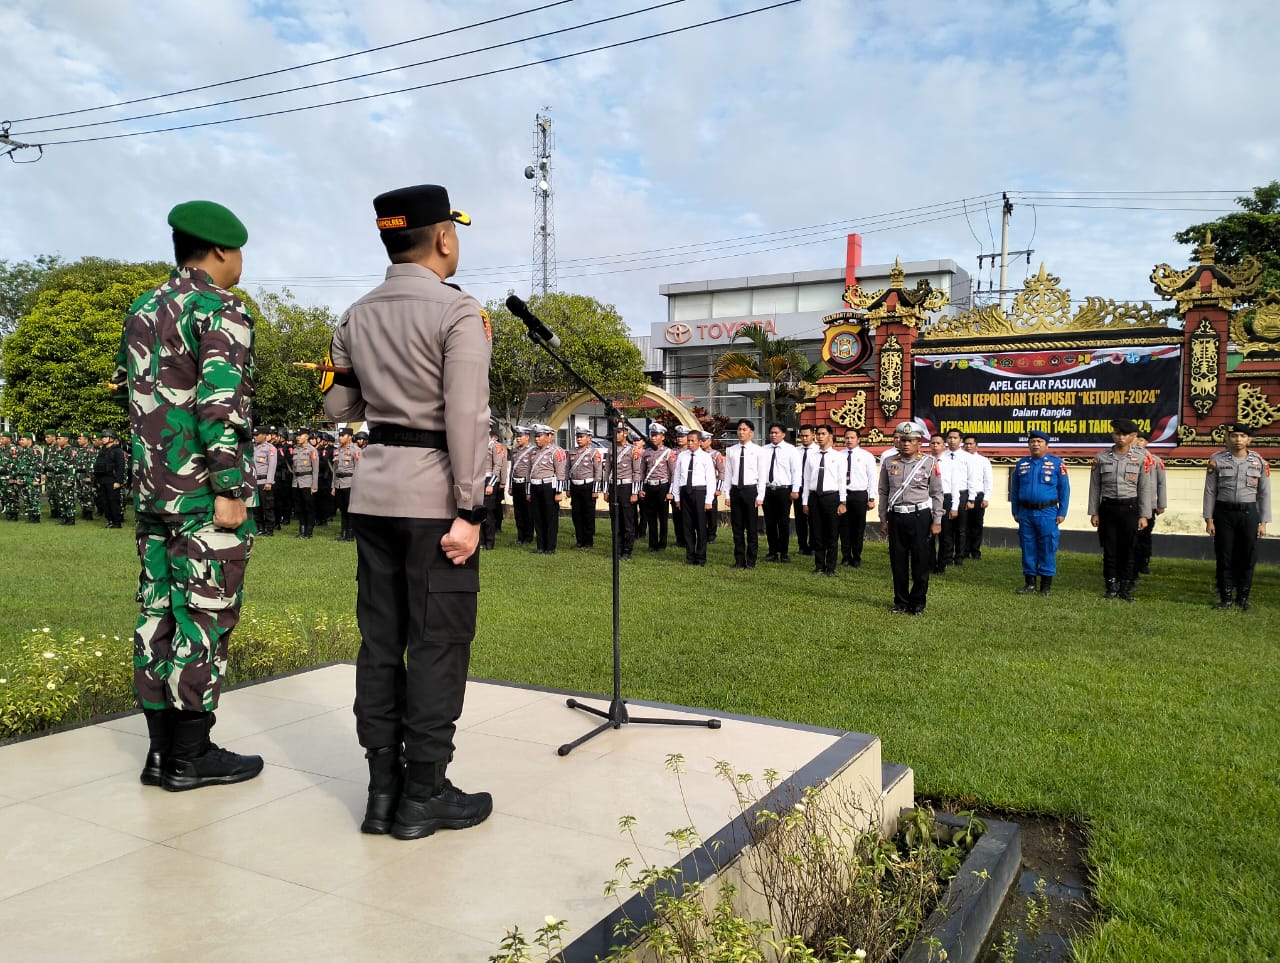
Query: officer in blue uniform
1040	492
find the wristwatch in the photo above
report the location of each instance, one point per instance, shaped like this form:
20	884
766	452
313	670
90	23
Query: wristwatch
475	516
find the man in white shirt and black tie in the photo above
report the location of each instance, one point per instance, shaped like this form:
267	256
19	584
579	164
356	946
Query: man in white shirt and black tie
822	499
805	450
778	459
694	486
861	478
743	489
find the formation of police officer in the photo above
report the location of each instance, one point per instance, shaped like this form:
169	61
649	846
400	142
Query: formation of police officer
344	461
519	455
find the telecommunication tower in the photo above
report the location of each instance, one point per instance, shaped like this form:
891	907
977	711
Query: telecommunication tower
544	236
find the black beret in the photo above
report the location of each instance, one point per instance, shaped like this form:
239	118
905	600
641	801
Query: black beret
1237	429
1124	425
419	206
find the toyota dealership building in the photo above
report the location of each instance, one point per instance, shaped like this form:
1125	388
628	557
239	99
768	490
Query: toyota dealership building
703	318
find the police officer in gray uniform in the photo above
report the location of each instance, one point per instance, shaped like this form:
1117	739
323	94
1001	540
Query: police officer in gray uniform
418	350
910	492
345	459
585	477
1121	497
306	479
655	487
624	491
546	489
264	471
520	453
1237	507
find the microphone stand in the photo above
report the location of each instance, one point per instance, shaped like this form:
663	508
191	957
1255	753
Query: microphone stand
616	716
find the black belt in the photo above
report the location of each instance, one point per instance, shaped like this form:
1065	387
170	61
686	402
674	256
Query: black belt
1033	506
400	437
1235	506
1121	502
344	474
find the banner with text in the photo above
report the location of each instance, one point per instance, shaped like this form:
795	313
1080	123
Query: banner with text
1071	395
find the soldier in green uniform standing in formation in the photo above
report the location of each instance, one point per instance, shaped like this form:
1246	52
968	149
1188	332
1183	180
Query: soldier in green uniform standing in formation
60	479
185	369
28	468
85	455
8	477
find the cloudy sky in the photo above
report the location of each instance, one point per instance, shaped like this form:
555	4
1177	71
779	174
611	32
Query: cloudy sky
749	146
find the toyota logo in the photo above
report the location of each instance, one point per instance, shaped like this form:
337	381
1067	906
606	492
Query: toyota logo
678	333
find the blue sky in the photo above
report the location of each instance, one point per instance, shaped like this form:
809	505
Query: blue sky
824	112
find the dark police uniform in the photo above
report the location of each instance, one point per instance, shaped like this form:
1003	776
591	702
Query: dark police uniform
418	350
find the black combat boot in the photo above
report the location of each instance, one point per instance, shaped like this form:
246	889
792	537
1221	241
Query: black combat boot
1126	591
431	802
1242	600
194	761
1046	584
386	782
1113	589
33	519
160	730
1224	599
1029	585
71	519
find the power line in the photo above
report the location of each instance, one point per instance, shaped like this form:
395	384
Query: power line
364	76
439	83
313	63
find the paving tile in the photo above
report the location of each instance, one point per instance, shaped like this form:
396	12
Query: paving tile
279	838
152	904
122	803
324	744
333	686
64	759
38	846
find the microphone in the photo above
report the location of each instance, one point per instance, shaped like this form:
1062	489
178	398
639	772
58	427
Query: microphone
537	330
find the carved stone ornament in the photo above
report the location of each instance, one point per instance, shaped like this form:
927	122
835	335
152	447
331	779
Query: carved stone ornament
1256	330
1208	284
896	303
853	413
1043	307
1253	408
1203	368
890	389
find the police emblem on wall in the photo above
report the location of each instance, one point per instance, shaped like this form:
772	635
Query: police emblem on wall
846	346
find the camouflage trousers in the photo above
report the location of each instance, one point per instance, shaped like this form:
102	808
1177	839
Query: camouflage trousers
61	490
85	494
29	497
190	589
9	498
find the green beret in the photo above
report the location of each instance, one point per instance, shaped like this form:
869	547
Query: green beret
210	222
66	434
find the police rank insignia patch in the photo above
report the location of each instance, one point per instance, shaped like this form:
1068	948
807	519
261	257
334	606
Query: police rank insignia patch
488	327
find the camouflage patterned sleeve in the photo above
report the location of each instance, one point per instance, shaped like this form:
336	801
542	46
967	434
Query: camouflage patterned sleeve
223	395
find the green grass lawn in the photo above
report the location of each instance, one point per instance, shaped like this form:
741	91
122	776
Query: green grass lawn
1154	724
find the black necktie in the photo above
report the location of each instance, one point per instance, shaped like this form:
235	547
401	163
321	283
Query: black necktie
822	467
773	461
690	481
742	465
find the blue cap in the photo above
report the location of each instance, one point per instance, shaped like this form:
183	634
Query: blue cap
1037	433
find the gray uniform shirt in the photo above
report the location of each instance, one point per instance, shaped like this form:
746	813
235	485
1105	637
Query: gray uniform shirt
520	462
306	466
1238	480
1116	476
345	460
914	481
586	465
420	349
657	465
264	463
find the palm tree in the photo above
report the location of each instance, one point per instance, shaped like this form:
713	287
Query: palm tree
777	362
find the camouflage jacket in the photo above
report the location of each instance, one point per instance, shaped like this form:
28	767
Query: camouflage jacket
185	373
29	465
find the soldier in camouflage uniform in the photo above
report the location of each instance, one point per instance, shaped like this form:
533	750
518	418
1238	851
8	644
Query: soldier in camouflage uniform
8	478
185	367
60	479
85	455
27	472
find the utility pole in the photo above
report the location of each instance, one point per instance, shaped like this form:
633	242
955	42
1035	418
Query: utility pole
1006	211
544	238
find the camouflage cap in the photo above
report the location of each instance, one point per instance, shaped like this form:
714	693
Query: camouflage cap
209	221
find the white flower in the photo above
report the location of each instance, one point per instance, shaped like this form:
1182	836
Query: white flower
3	681
45	630
49	655
116	637
799	807
550	920
98	653
81	639
51	686
860	954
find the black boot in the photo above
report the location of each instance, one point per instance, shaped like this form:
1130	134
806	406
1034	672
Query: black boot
1224	599
1126	591
33	519
194	761
160	730
431	802
386	782
1046	584
1113	589
1029	585
1242	600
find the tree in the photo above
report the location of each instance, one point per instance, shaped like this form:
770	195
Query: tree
777	362
63	349
285	332
1255	229
18	284
593	338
